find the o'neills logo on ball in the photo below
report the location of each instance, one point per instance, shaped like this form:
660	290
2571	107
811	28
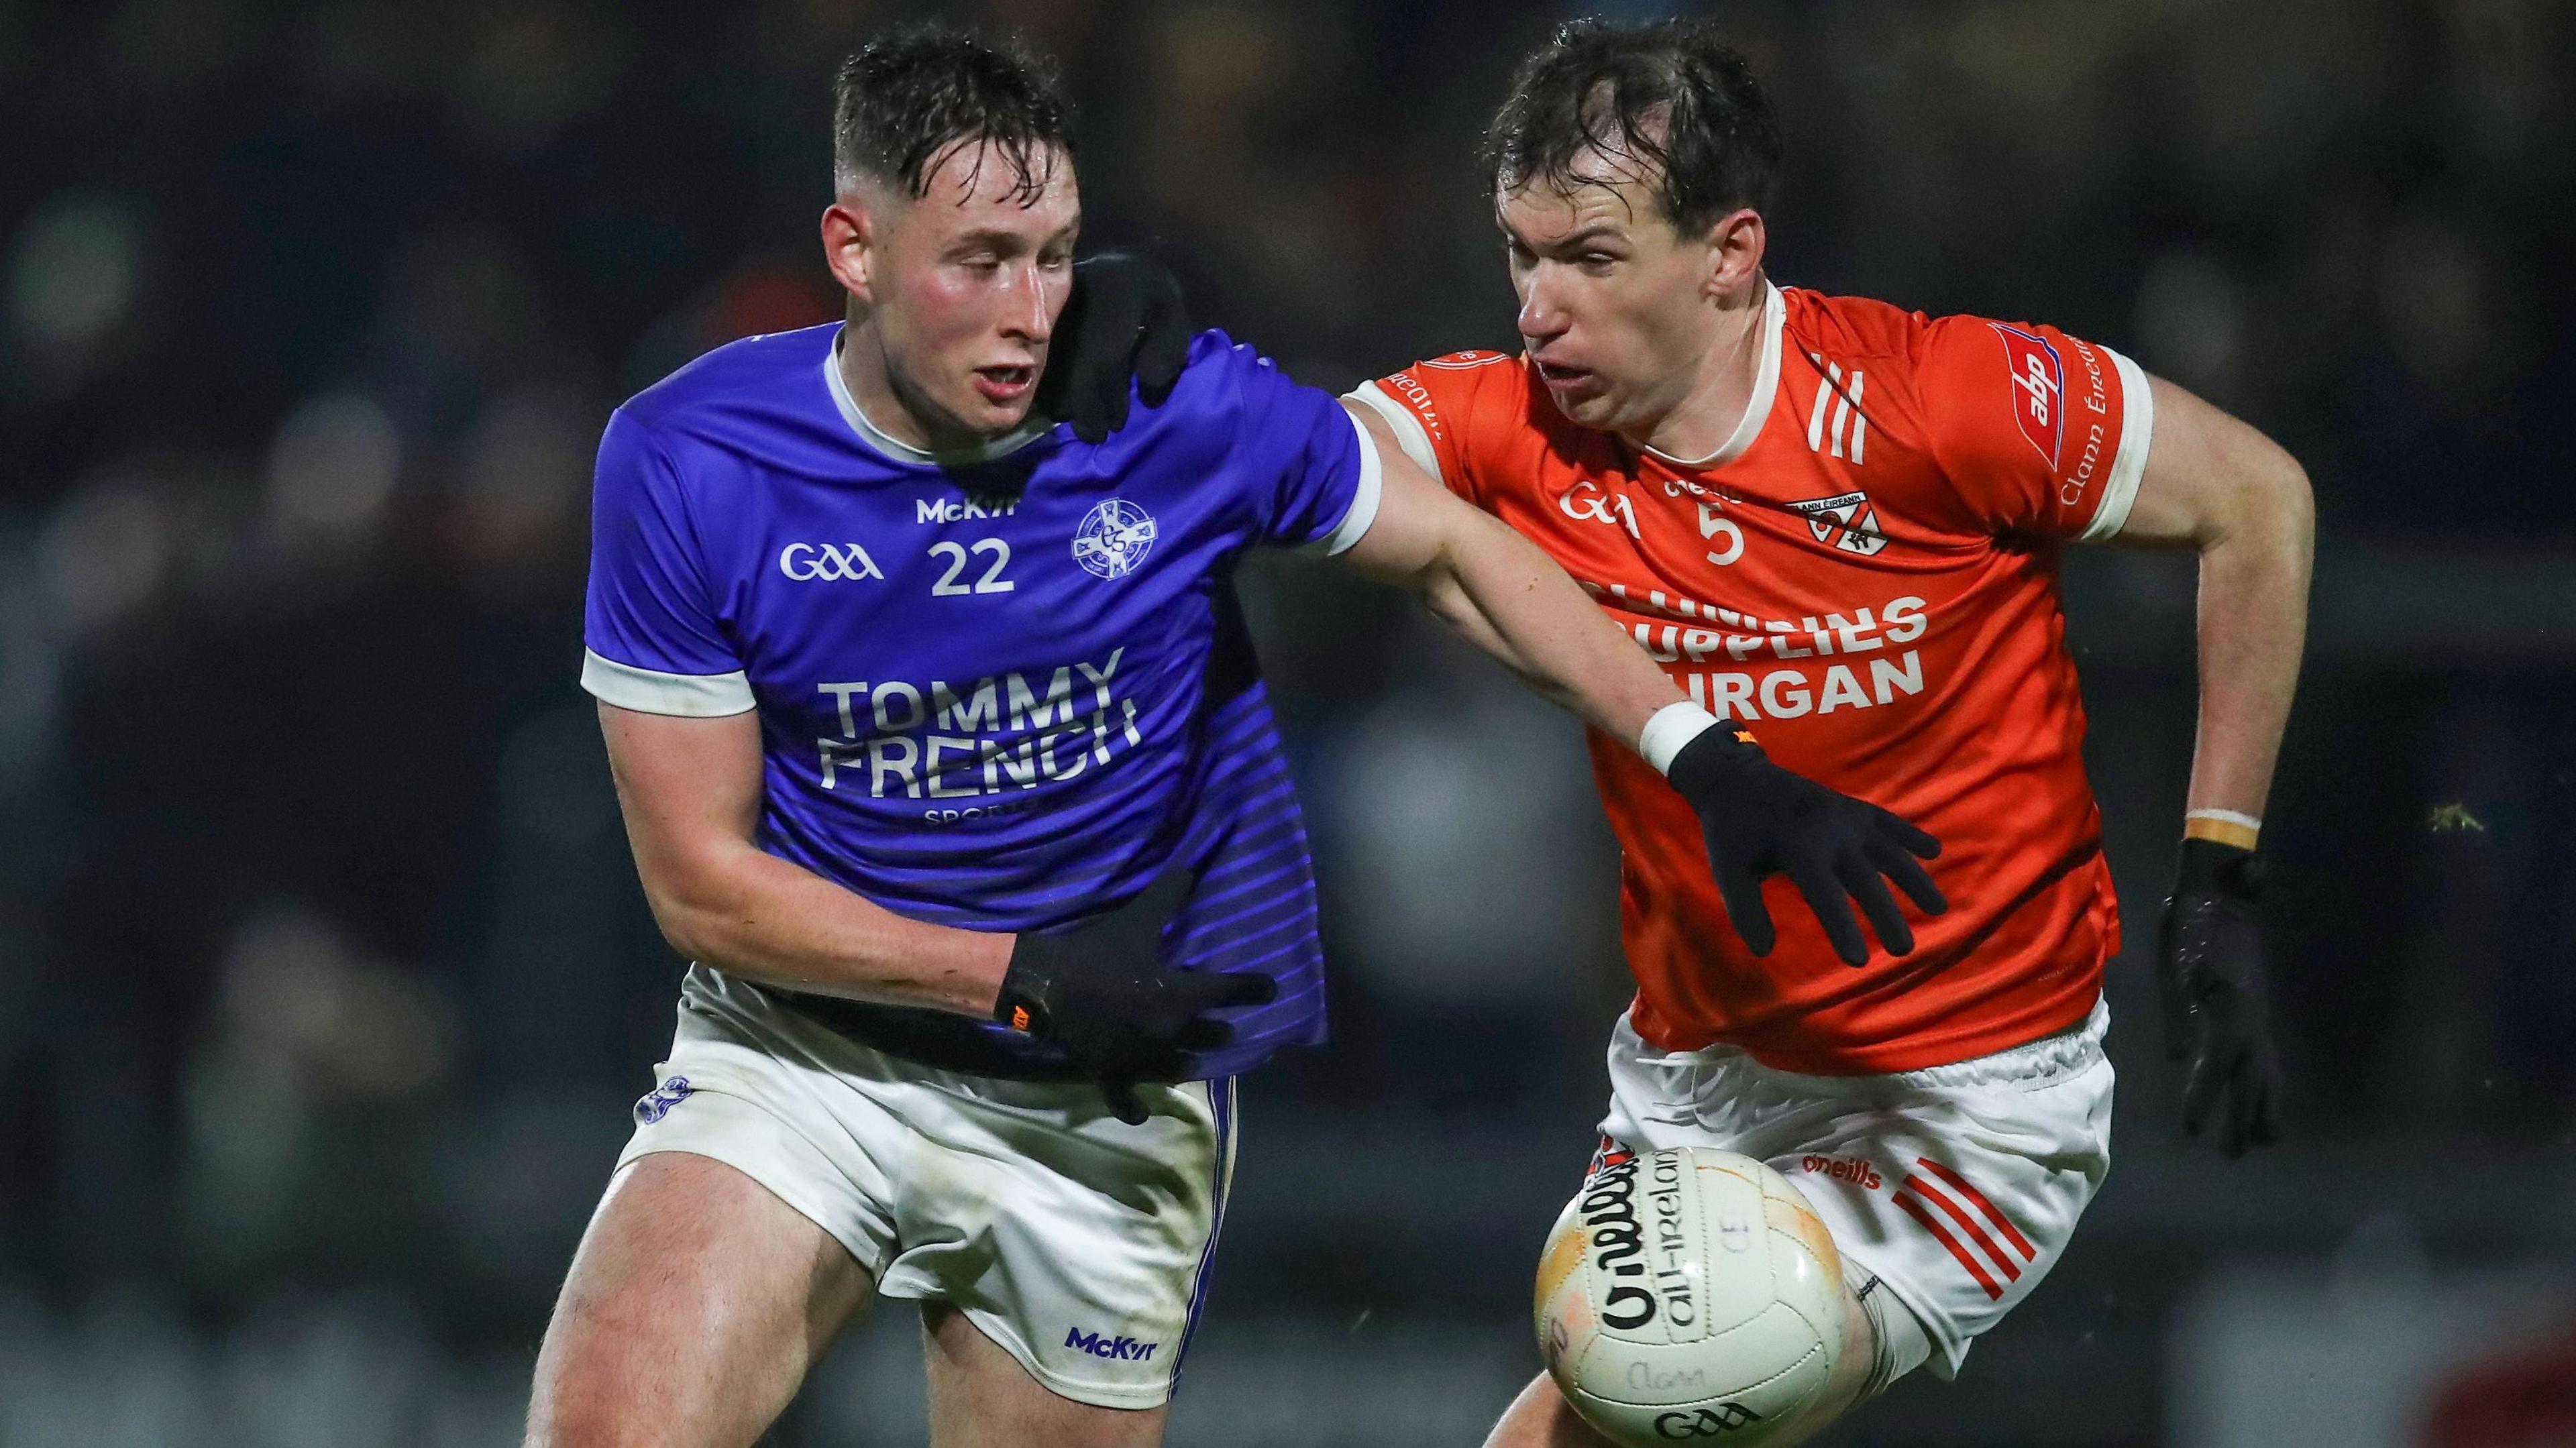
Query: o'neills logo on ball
1609	1213
1675	1281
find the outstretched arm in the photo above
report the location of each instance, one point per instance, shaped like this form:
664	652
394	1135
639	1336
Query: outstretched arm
1512	600
1507	597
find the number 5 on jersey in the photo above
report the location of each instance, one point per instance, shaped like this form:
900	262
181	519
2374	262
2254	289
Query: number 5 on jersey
1713	525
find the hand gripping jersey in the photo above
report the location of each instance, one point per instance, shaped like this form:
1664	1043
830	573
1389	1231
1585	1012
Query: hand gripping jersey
1867	573
996	691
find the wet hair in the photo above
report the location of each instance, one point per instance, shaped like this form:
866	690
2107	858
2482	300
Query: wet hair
1670	96
903	100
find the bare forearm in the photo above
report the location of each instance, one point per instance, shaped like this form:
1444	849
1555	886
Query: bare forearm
1510	600
690	793
777	923
2253	628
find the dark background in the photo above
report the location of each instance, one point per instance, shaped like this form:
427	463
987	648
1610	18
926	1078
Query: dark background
325	982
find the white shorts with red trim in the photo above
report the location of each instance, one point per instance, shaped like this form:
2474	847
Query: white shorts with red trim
1952	1189
1076	1242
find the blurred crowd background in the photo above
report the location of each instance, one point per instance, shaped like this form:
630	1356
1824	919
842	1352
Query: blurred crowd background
325	982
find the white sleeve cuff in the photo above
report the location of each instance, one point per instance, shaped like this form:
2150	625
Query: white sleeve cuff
1669	728
1364	498
650	691
2129	464
1409	433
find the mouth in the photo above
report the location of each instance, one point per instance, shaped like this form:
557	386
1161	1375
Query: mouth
1563	379
1004	385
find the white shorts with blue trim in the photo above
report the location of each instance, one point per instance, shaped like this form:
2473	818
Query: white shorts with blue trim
1078	1243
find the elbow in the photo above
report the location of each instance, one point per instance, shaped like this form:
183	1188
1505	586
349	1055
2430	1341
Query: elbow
2270	507
692	911
1445	594
2291	505
684	930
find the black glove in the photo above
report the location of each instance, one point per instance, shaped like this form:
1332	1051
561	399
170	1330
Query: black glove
1101	992
1761	819
1125	320
2209	969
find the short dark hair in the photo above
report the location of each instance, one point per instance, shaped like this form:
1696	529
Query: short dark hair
1615	88
903	99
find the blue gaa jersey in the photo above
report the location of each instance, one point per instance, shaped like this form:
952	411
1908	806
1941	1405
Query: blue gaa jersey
999	690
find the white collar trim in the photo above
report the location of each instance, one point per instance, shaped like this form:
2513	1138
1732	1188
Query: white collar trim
1766	385
904	452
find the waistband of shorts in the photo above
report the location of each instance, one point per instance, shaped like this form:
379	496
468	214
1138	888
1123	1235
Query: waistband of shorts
2028	1066
940	1040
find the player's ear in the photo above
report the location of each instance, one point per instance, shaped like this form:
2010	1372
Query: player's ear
849	245
1735	245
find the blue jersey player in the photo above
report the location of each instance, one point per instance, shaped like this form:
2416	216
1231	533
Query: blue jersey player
944	758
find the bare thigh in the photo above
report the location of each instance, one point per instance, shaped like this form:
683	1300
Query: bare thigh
694	1308
980	1397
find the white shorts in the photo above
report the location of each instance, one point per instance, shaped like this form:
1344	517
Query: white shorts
1954	1187
1078	1243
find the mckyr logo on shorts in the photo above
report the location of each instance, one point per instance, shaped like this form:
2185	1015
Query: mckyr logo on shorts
655	1104
1116	1349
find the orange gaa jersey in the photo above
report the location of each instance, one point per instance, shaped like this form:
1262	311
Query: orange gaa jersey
1867	573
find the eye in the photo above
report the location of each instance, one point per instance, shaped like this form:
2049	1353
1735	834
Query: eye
1597	262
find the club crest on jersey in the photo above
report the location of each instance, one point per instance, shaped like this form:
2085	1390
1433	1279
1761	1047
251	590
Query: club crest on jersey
1845	521
1114	537
2039	389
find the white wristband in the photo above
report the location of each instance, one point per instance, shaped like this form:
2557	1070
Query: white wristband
1669	728
2225	817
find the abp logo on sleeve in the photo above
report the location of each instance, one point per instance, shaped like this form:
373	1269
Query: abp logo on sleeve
2039	389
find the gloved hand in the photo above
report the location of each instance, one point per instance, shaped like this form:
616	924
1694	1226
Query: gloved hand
1761	820
2209	969
1125	320
1102	992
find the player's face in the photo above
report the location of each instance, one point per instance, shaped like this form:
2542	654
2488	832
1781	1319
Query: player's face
964	285
1613	299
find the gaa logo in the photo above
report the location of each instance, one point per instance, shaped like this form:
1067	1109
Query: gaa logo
1706	1422
808	562
1114	537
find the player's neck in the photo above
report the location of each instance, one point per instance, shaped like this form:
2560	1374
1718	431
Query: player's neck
1720	390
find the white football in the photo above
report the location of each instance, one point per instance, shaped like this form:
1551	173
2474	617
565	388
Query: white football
1689	1294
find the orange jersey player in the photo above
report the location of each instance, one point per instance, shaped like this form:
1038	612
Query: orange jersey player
1864	572
1837	523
